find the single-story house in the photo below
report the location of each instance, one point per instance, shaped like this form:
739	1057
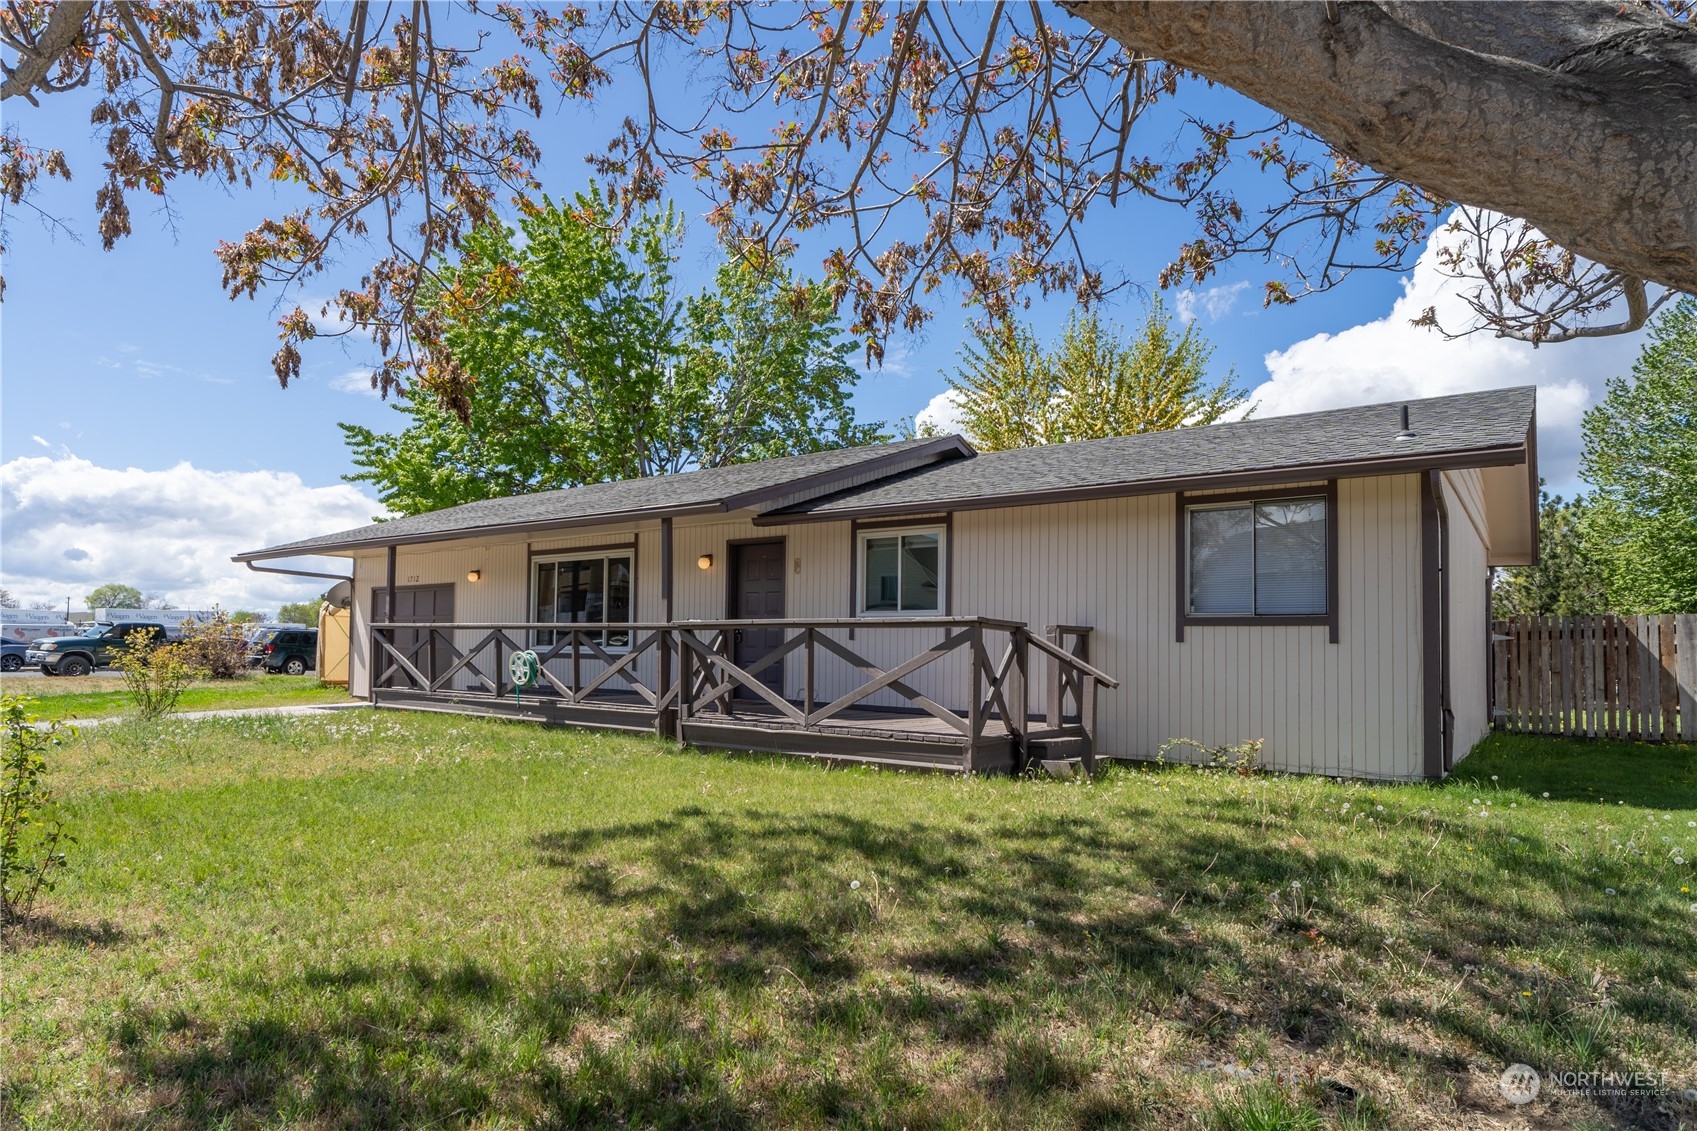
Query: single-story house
1318	581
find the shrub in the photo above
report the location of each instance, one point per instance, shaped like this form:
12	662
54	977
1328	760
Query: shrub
215	649
1243	758
154	676
31	831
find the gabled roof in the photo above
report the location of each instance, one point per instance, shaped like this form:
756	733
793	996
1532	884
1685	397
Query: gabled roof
1486	429
768	483
1492	429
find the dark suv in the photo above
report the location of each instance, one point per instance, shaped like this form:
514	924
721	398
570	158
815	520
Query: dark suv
289	651
93	648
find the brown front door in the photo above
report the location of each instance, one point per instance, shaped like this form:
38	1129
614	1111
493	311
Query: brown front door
757	593
415	604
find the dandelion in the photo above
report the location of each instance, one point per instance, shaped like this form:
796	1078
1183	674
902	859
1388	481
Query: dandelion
1476	801
1030	923
1493	777
1546	793
1525	993
854	885
1608	891
1379	808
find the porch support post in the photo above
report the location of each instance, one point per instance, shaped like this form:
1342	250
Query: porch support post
388	615
666	718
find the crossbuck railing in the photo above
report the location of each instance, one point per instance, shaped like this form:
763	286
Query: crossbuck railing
687	670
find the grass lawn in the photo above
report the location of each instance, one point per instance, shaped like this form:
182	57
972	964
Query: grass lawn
101	697
382	920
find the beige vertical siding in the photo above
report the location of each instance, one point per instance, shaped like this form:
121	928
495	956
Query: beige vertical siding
1349	708
1346	708
1470	616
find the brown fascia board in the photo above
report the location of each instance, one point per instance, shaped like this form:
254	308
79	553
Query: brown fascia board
946	447
1532	478
336	549
1483	457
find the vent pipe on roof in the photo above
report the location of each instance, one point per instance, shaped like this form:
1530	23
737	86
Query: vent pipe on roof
1406	434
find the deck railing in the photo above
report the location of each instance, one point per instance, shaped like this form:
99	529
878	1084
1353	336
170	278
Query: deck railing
686	670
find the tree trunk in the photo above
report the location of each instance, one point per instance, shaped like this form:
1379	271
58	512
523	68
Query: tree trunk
1580	117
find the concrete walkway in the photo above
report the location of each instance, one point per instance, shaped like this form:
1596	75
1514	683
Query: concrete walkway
235	713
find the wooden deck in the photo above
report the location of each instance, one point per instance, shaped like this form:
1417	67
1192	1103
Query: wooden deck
695	695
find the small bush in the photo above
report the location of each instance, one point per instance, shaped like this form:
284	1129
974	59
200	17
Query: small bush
31	831
1242	758
155	676
215	649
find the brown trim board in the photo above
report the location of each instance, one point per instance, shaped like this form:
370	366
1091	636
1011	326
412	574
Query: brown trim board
1181	539
1434	665
920	455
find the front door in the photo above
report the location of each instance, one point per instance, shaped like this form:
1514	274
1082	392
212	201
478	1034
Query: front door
414	604
757	593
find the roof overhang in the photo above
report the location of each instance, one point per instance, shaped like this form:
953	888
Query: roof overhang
786	493
1504	457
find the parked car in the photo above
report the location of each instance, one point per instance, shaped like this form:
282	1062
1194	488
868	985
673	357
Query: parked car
13	655
286	651
93	648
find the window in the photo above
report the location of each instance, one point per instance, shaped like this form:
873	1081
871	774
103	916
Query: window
901	571
595	590
1258	559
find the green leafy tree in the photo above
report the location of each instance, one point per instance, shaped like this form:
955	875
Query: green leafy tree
1568	579
299	612
1641	456
767	372
114	596
246	616
1093	383
587	367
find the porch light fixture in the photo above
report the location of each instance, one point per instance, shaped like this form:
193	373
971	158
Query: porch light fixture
705	561
474	575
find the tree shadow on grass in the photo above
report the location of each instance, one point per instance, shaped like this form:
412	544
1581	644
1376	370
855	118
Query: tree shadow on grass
770	968
45	930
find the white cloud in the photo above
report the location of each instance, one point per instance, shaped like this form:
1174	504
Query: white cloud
40	441
1215	302
357	381
1389	359
70	525
942	414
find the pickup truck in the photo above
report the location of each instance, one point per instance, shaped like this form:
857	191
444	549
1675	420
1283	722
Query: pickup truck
94	648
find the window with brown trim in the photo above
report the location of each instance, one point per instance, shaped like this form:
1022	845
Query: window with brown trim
1258	557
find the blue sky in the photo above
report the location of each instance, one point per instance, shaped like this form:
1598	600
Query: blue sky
143	437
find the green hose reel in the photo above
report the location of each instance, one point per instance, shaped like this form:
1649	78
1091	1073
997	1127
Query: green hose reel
525	670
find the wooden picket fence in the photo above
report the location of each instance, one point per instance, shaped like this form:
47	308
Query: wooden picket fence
1604	676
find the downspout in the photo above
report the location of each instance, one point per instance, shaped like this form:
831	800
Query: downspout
1435	713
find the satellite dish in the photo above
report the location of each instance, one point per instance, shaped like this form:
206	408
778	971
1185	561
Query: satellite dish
341	594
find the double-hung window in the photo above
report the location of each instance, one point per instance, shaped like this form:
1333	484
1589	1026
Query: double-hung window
1265	558
901	571
582	590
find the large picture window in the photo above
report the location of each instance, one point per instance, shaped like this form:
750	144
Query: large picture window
901	572
582	590
1265	558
